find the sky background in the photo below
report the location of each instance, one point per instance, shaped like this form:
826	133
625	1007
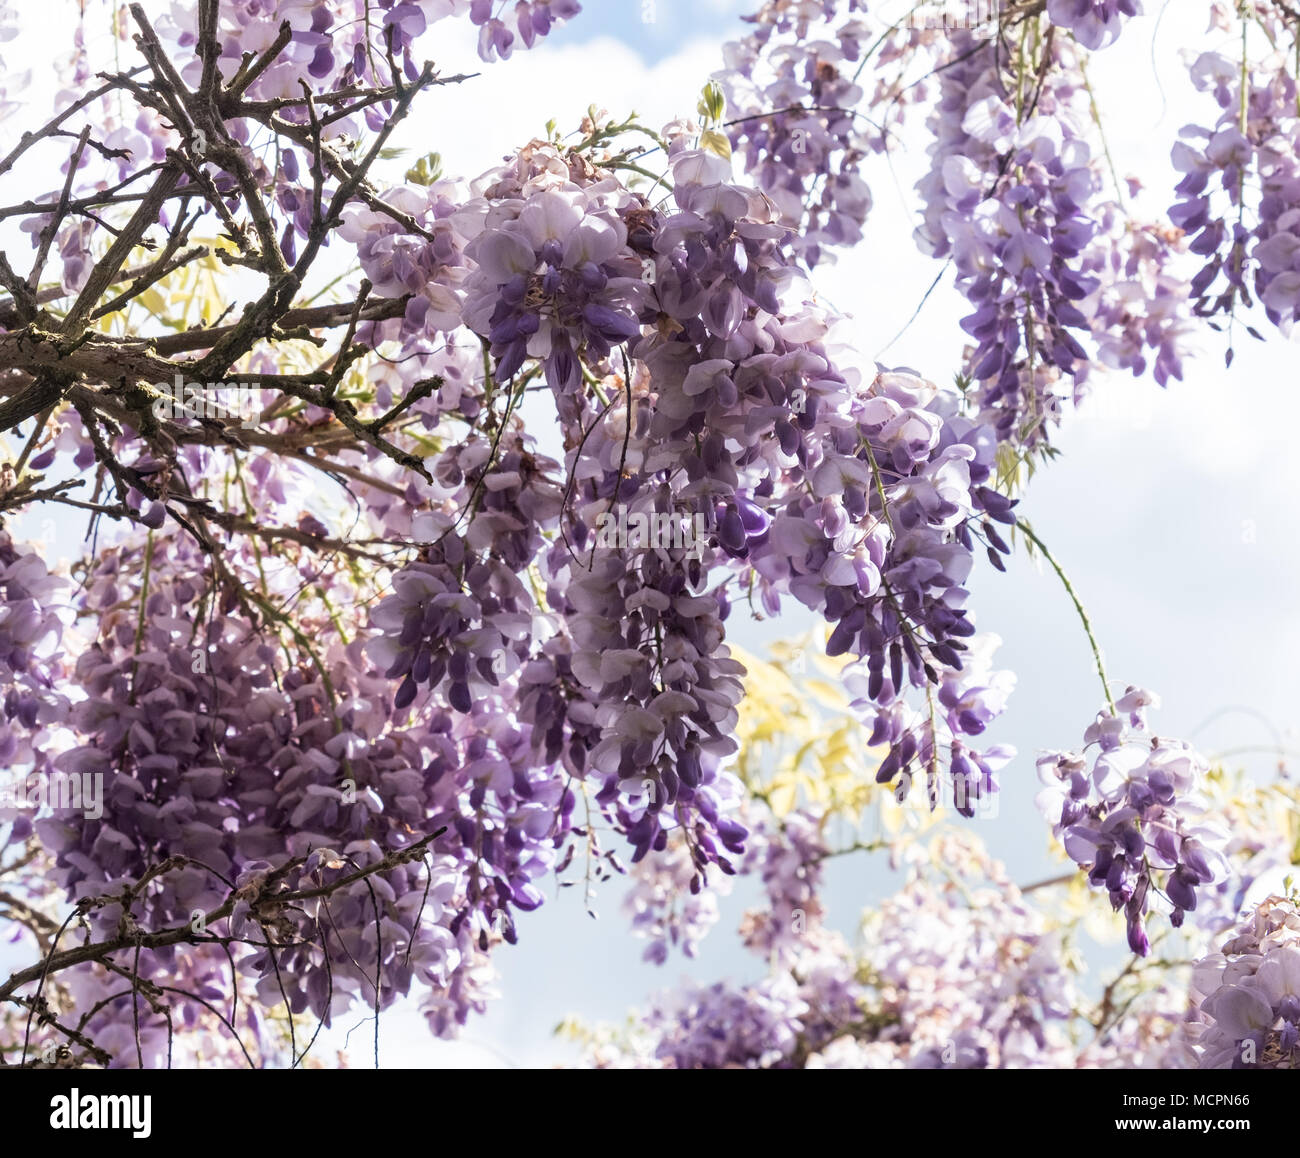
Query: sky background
1173	511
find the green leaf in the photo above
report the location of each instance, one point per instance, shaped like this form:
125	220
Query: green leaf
426	170
712	103
716	143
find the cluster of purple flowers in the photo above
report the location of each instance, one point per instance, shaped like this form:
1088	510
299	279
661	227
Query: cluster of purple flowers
787	856
533	19
554	279
952	975
1254	141
1136	820
794	125
337	41
1140	313
877	532
1248	994
924	739
211	753
212	750
667	904
31	667
430	267
809	998
460	618
1009	198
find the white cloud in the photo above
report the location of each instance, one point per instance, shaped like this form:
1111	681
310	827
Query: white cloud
474	124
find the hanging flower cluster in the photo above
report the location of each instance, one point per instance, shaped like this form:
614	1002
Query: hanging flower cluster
1137	818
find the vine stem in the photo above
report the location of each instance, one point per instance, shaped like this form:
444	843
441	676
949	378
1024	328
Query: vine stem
1101	132
1028	532
140	616
1063	879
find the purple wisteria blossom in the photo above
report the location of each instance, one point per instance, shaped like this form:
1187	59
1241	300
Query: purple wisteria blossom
554	280
792	103
1094	23
1249	993
1136	820
1237	197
